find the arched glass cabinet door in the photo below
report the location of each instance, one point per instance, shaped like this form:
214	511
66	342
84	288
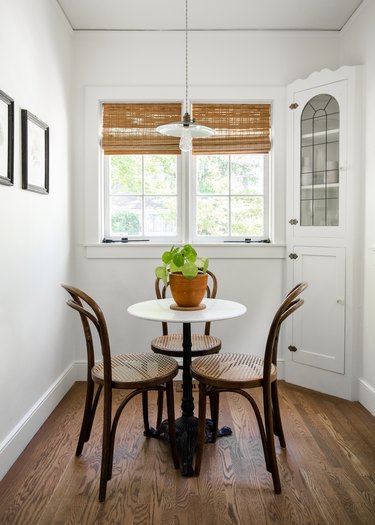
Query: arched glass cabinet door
319	162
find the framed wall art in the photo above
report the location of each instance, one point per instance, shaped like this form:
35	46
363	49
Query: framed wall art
6	139
35	153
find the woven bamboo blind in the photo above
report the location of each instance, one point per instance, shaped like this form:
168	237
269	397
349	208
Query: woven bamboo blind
240	128
130	129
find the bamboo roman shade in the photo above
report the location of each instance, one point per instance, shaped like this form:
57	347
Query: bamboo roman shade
240	128
130	129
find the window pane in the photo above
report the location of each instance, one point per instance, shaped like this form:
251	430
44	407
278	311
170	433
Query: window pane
160	215
126	215
212	216
213	174
247	216
126	174
160	173
247	174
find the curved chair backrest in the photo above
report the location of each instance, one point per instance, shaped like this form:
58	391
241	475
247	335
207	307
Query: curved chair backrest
290	304
161	293
79	302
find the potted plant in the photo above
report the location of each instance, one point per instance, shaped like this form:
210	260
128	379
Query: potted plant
186	273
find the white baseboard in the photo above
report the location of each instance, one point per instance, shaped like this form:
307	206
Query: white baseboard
366	395
16	441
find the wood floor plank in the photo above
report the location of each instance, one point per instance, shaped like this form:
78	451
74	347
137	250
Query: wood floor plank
327	471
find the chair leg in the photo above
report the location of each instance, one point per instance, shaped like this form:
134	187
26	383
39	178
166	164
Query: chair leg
214	401
145	414
171	422
160	403
88	415
278	427
105	473
201	427
268	419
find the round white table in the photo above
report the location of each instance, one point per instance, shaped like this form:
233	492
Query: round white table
159	310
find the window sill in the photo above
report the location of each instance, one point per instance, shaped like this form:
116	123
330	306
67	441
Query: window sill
213	251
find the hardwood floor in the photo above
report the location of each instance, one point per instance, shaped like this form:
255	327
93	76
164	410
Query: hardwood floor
327	472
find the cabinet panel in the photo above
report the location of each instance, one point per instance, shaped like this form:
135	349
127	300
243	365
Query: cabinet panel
318	328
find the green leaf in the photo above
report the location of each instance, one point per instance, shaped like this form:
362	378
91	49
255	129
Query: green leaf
162	273
178	260
174	268
166	257
189	270
204	266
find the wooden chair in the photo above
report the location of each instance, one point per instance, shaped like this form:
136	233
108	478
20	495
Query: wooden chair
139	373
171	344
237	372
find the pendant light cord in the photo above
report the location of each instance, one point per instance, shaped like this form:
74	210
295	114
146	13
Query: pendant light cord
186	57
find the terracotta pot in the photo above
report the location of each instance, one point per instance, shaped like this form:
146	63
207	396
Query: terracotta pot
188	293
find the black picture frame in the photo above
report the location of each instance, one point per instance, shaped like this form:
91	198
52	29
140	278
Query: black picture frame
35	153
6	139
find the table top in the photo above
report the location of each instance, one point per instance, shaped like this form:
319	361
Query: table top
159	310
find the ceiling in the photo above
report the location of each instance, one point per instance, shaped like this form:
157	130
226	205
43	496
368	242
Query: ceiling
131	15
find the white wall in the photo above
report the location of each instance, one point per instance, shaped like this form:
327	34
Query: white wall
150	65
357	46
36	353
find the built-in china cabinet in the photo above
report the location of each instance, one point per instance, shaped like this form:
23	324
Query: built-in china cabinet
324	229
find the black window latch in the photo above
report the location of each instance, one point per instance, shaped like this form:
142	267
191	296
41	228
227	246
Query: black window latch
124	240
249	241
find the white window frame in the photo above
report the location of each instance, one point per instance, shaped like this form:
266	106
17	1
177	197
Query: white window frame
89	187
230	238
171	239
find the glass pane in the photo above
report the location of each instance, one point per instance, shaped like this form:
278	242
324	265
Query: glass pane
307	132
333	212
320	157
126	216
247	216
319	212
160	215
247	174
333	126
213	174
333	107
126	174
306	214
332	172
213	216
160	172
306	165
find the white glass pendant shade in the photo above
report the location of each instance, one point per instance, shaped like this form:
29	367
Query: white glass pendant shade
177	129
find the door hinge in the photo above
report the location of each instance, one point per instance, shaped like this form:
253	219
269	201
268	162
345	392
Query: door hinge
293	256
292	348
293	221
293	106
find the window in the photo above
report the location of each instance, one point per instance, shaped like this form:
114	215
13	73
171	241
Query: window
227	194
142	197
230	197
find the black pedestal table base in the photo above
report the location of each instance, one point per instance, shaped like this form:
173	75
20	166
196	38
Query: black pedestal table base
186	437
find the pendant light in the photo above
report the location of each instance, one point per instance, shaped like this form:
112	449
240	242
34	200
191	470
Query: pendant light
187	129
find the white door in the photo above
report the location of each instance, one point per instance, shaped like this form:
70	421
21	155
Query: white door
318	328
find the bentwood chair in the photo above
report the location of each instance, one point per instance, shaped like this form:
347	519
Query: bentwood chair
139	373
171	344
238	372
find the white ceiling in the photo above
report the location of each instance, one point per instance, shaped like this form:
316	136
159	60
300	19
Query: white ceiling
208	14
